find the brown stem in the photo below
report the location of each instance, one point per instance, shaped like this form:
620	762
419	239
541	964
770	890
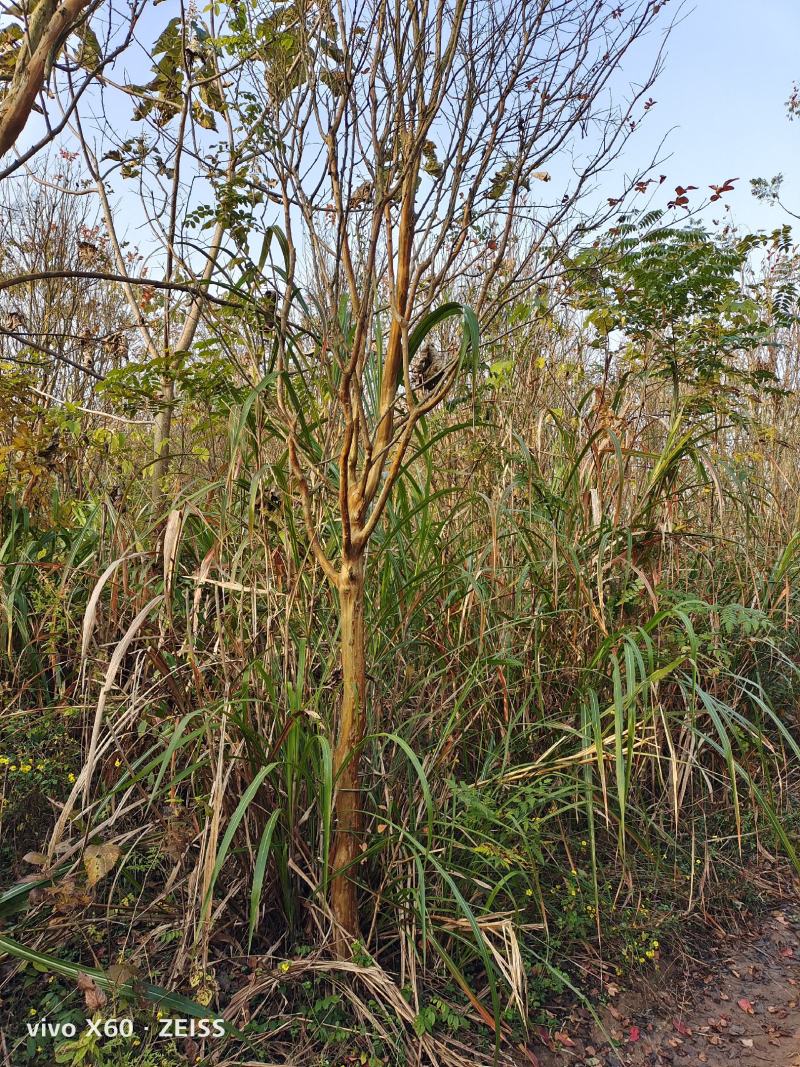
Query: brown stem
347	804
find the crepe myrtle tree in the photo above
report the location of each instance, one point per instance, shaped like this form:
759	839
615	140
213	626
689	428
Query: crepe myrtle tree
428	159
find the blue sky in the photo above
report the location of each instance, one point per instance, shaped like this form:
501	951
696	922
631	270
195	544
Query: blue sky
729	70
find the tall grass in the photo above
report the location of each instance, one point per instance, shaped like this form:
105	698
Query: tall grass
582	663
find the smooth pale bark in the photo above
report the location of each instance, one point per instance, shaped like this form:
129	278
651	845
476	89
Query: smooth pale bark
347	808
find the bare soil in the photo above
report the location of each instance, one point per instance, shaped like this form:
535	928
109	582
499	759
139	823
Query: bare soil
736	1000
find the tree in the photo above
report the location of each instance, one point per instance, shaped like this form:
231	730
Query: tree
407	146
408	153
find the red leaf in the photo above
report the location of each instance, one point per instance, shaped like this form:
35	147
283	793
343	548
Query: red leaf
544	1035
563	1039
745	1005
787	953
634	1033
681	1027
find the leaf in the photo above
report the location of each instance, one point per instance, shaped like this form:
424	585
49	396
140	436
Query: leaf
36	858
92	993
99	860
204	118
90	54
634	1034
744	1004
166	1000
431	165
500	181
681	1027
65	896
120	974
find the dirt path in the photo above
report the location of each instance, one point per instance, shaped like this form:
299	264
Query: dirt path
740	1004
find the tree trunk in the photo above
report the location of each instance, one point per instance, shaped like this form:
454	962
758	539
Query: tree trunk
347	805
162	431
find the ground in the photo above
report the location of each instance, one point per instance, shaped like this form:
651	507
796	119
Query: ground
737	1003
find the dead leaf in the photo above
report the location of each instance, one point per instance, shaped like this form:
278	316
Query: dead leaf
744	1004
99	860
191	1050
65	896
121	974
35	858
92	993
747	1041
563	1039
681	1027
634	1034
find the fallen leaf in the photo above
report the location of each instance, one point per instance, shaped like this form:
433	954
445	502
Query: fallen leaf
121	974
747	1041
99	860
92	993
681	1027
35	858
65	896
634	1034
563	1039
191	1051
745	1005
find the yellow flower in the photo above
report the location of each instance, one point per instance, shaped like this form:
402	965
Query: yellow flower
117	762
32	1011
4	761
26	768
283	967
70	777
13	767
